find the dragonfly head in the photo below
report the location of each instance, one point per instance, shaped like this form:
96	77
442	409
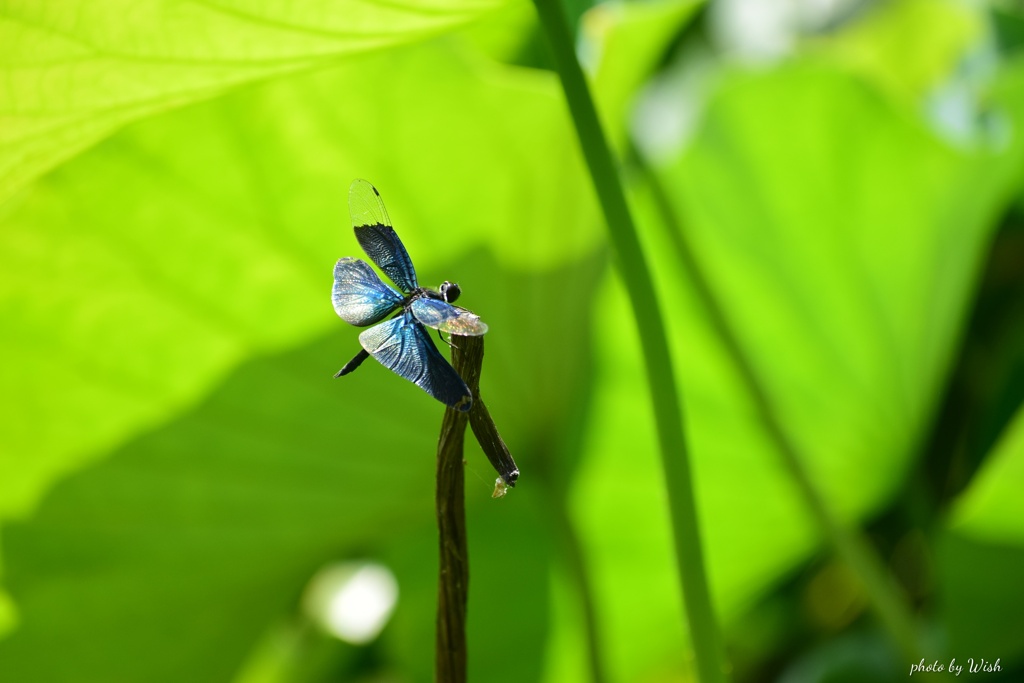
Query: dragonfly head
450	291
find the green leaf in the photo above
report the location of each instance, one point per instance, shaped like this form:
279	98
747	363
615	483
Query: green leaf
137	277
842	239
991	509
73	75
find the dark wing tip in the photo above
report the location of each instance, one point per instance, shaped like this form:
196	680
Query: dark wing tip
362	181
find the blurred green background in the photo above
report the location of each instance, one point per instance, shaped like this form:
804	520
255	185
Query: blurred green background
177	464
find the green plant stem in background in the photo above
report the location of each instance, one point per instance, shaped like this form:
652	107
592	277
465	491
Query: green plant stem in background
882	592
704	632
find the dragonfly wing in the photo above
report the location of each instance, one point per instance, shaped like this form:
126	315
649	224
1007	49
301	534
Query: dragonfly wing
376	236
359	296
404	347
451	319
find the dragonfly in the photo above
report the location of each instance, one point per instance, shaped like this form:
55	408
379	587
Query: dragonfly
401	343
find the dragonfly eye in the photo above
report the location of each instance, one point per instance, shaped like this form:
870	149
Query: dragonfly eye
450	291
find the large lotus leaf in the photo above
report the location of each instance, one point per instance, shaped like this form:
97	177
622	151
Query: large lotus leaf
72	73
844	261
842	239
134	279
137	277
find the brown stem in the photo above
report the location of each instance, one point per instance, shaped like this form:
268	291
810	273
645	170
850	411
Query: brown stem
453	579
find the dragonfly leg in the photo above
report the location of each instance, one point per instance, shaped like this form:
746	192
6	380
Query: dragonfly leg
353	364
446	341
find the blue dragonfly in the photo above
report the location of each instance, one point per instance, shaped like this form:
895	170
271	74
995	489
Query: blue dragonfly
401	344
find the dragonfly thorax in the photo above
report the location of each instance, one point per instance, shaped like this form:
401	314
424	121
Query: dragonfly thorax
447	292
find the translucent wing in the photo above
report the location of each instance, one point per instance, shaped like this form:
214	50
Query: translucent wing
451	319
376	236
359	296
404	347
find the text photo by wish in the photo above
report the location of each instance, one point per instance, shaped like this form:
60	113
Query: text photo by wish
970	665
